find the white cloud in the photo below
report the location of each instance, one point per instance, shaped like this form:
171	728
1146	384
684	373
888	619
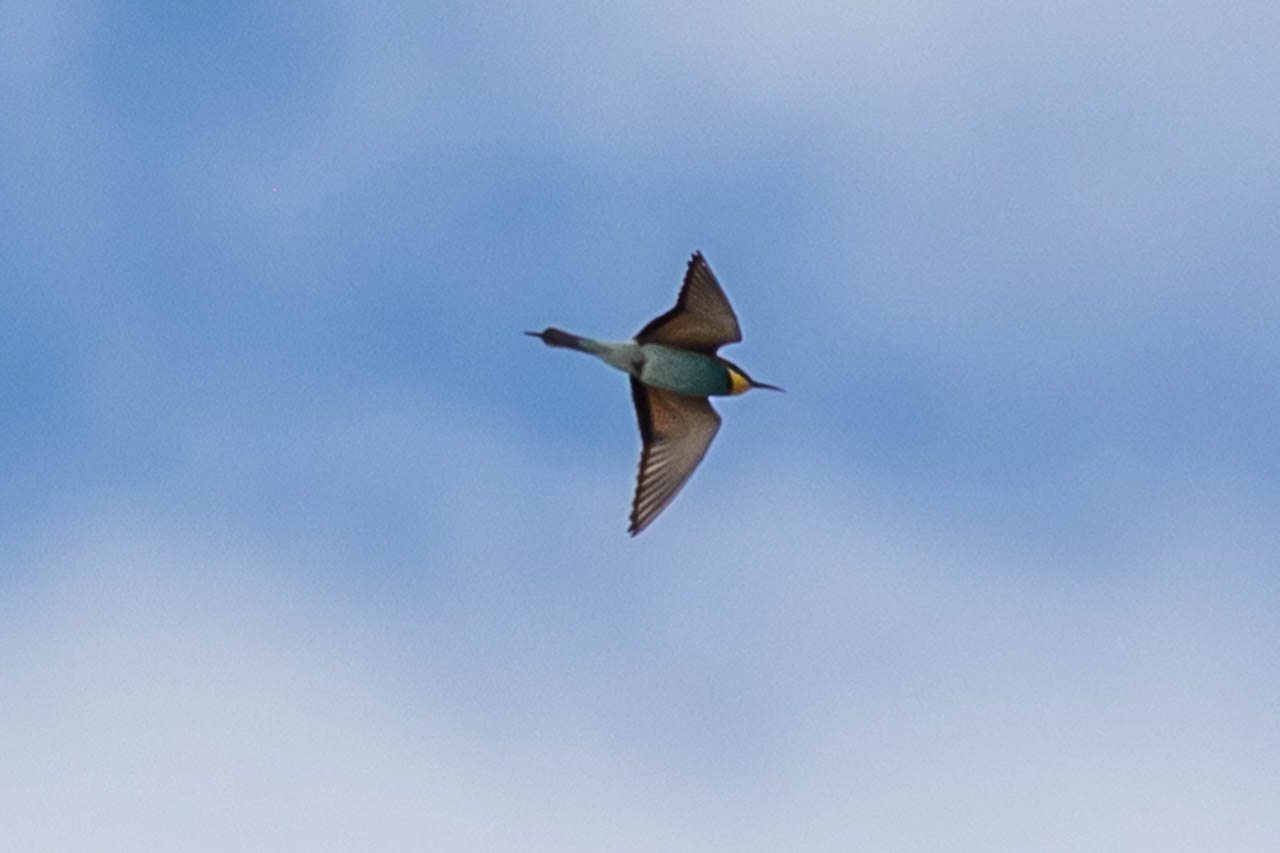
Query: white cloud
946	691
828	675
163	689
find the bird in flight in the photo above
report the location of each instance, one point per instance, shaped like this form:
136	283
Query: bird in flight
673	367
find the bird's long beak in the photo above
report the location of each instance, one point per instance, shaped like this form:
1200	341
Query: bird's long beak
755	384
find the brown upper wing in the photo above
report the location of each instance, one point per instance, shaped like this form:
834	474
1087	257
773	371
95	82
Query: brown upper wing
676	430
702	320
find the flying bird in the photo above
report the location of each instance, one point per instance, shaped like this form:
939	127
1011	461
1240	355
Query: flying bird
673	367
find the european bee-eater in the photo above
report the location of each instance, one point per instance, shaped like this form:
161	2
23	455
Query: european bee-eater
673	366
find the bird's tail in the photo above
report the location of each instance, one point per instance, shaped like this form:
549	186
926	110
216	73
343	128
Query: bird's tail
558	338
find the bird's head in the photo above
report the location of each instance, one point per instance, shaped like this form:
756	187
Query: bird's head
741	383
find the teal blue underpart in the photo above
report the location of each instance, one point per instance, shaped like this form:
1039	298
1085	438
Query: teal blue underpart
683	371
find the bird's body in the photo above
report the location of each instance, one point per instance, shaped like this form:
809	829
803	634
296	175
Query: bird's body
683	371
673	367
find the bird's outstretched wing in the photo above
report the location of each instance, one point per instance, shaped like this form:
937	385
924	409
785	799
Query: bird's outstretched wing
702	320
676	431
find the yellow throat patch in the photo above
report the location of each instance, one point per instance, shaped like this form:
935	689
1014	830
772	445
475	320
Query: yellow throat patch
738	384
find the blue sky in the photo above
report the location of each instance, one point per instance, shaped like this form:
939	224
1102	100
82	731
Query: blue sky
306	547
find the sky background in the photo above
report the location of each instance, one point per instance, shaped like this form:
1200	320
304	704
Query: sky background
305	547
